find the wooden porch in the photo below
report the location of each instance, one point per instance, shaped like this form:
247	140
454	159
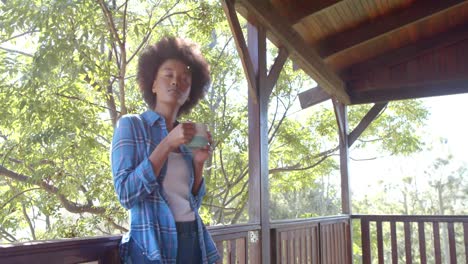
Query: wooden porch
315	240
367	53
358	52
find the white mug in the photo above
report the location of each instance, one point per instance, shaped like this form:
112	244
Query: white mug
200	139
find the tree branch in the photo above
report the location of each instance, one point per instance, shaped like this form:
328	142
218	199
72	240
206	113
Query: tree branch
246	183
124	27
110	21
366	159
239	211
68	205
297	167
148	35
223	171
16	51
16	195
218	59
7	235
110	98
81	100
273	119
116	226
31	226
19	35
279	124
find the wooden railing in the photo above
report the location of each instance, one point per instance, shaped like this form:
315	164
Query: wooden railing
237	244
78	250
317	240
384	239
414	245
232	242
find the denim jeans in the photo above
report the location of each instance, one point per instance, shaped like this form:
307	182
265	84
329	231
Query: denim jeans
188	246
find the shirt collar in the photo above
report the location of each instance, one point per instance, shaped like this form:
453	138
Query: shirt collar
151	117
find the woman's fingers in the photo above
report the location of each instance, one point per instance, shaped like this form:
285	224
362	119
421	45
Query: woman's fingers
210	139
187	131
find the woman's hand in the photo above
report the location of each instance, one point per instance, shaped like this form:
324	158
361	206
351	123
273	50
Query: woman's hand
200	155
181	134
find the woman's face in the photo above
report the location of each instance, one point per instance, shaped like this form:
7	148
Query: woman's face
172	83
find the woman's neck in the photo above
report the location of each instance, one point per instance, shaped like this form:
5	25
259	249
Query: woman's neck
169	115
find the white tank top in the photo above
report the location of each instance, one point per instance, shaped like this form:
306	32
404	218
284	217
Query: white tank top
176	186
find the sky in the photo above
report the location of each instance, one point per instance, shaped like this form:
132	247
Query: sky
446	120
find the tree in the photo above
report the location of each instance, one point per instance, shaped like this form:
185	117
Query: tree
65	66
67	71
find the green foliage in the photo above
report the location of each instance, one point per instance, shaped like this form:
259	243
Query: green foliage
396	127
67	72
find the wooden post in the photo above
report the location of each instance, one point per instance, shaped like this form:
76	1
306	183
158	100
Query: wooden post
253	56
342	120
258	140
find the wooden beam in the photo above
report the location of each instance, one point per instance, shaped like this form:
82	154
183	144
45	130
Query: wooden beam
304	55
254	152
418	11
385	94
312	97
231	15
365	122
407	53
259	195
275	70
297	10
342	121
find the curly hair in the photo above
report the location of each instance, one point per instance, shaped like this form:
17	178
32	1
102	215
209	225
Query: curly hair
173	48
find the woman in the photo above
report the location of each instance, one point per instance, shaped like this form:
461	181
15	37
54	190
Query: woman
155	176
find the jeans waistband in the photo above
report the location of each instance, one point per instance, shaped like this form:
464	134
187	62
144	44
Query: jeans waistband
186	227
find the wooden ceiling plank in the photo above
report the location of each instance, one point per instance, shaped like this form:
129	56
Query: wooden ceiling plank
302	8
406	53
410	92
241	45
365	122
312	97
341	14
303	54
418	11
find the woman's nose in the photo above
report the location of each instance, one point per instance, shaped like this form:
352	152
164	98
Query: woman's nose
175	81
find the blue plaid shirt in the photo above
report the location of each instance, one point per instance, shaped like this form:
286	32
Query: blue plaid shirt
152	225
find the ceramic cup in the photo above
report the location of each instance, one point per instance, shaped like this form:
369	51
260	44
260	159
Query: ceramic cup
200	139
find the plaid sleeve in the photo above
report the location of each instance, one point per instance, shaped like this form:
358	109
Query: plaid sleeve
133	173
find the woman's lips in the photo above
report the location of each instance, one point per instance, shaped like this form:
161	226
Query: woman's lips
174	91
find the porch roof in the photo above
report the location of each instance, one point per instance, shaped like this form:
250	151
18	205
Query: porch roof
366	51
